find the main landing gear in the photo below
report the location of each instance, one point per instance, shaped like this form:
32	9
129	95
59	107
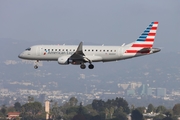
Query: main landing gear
36	64
83	66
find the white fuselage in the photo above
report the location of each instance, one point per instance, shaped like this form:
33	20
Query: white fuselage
53	52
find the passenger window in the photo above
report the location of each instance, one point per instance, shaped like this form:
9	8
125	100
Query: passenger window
52	49
114	50
103	50
88	50
85	50
48	49
111	50
96	50
59	49
107	50
92	50
100	50
66	49
56	50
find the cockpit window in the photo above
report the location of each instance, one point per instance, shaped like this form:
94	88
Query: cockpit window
28	49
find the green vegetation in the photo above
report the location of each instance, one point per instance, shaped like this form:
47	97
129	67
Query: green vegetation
115	109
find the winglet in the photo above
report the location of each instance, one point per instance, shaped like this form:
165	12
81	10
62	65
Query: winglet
80	49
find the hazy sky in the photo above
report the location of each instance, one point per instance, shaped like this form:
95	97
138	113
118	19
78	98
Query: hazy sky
112	22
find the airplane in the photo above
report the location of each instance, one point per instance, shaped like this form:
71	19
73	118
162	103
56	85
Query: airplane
81	54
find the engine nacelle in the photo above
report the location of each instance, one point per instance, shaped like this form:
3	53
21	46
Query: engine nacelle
64	60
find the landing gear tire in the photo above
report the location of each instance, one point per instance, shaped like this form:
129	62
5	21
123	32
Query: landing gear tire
82	66
36	67
91	66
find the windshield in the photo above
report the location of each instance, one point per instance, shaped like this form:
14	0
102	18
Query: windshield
28	49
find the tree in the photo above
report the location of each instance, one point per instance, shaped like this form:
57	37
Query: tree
136	115
176	109
73	101
3	112
98	105
80	110
79	117
167	118
55	111
168	113
123	103
97	117
32	109
70	110
141	109
101	105
111	111
17	106
118	111
160	109
90	110
120	116
106	112
30	99
11	109
150	108
159	117
17	118
132	107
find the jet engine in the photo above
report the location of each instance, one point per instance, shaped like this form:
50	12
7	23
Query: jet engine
64	60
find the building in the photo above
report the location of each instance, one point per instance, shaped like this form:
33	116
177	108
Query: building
161	92
47	108
12	115
151	91
130	92
142	90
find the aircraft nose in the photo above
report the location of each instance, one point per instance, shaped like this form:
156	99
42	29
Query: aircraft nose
20	55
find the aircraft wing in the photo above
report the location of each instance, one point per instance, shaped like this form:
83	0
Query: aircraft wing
80	56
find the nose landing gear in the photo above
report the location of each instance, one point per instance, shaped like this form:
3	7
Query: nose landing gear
35	67
36	64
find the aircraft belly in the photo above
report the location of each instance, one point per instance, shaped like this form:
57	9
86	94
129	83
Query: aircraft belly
110	58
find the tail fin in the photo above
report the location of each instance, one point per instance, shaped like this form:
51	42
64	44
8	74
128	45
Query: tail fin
145	40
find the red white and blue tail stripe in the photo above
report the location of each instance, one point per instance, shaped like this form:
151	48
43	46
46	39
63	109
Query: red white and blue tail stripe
145	41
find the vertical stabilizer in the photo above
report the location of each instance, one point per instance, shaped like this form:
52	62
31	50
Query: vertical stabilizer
145	41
